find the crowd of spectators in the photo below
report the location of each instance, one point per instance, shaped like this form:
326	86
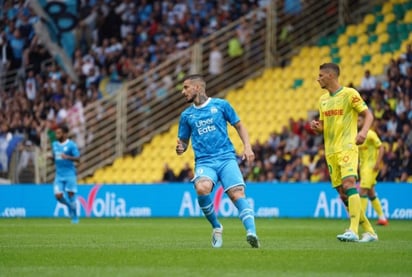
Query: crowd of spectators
116	40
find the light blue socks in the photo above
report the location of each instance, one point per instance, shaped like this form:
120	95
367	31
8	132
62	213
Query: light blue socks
246	215
206	204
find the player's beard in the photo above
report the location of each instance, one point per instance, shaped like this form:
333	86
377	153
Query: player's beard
322	85
191	99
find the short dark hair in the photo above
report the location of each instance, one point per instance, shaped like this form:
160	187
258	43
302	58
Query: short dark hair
197	78
63	127
194	77
330	66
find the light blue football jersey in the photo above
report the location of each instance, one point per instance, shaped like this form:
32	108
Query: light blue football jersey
65	168
206	126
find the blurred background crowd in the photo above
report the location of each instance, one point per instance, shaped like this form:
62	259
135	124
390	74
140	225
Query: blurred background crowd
116	41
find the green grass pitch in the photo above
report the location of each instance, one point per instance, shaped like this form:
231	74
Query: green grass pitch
181	247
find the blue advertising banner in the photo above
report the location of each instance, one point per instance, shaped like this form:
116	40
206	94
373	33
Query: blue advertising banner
298	200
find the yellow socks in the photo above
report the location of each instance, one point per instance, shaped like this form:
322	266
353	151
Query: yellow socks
357	212
376	204
365	223
354	208
364	202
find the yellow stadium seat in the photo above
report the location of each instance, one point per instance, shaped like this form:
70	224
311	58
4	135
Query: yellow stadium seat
364	49
408	17
304	51
361	28
342	40
381	28
376	67
296	61
324	51
86	180
351	30
383	38
410	38
344	51
109	178
362	39
277	72
369	19
387	8
117	163
390	17
230	96
267	75
90	180
386	58
398	53
374	48
259	86
127	161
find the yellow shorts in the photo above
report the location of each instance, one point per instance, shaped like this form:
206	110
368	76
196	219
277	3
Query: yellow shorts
367	177
342	164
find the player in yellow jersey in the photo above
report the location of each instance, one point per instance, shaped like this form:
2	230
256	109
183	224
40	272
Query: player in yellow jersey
370	158
339	109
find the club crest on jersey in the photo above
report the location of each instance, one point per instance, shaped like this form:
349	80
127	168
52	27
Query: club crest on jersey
355	99
213	110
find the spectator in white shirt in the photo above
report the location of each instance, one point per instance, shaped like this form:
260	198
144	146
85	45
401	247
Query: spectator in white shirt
403	65
215	60
368	83
31	86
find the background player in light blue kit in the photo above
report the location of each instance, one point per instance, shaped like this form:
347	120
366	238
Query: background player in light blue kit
65	154
205	122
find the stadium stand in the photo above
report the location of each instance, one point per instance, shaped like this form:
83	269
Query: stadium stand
124	115
281	95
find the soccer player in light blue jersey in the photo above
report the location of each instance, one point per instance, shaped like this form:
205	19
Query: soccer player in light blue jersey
205	123
65	155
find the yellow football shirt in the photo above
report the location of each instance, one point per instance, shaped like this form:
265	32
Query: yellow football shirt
339	113
368	151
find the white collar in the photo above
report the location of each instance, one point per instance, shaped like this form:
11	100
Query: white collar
202	105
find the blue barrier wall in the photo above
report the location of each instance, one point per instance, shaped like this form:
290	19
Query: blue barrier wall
299	200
